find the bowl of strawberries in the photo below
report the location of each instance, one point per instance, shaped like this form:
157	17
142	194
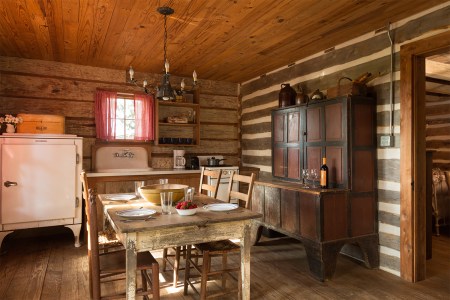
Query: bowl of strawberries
186	208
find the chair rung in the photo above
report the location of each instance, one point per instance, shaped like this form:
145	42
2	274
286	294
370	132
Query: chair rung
228	270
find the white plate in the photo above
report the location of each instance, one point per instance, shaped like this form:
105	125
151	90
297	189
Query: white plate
120	197
221	206
136	213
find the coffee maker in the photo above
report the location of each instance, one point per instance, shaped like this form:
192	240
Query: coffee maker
193	163
179	162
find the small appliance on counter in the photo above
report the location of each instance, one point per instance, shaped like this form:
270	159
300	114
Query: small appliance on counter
193	163
179	162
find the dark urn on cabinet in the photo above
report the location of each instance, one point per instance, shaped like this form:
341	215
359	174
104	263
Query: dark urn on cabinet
287	95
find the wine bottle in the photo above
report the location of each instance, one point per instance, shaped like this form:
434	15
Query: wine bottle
324	174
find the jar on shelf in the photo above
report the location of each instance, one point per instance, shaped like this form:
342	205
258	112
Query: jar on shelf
286	96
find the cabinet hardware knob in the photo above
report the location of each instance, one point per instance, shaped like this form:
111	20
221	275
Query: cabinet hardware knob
10	183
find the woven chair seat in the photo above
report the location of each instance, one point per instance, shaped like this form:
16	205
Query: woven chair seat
218	247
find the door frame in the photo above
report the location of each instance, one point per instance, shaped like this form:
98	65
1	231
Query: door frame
412	153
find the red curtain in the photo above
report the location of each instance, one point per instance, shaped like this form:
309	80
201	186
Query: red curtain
105	115
143	111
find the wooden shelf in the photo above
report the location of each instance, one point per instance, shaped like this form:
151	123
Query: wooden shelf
177	145
180	104
178	124
165	109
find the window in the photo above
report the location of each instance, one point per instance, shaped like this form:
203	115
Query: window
124	117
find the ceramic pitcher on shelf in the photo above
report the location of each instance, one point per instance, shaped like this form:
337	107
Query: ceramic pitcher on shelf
10	128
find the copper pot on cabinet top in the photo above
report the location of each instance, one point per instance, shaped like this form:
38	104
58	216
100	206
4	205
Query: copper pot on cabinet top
287	95
301	97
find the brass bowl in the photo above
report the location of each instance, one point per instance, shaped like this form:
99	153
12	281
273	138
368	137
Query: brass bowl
151	193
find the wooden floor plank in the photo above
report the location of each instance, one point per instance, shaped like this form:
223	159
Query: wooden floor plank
37	275
70	274
279	270
52	285
9	267
27	253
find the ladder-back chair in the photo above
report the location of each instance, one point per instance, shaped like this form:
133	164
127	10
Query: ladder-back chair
210	174
111	266
180	251
222	248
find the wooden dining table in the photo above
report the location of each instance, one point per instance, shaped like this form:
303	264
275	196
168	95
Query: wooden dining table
163	231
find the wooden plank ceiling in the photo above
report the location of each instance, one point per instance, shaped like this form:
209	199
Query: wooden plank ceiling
231	40
437	69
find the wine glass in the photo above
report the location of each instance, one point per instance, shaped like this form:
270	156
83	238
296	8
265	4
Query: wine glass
305	175
315	177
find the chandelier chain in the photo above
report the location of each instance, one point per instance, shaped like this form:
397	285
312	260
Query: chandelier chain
165	38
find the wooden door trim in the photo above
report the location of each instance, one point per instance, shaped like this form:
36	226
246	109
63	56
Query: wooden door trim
412	145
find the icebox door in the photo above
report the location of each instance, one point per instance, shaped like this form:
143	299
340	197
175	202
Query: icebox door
46	179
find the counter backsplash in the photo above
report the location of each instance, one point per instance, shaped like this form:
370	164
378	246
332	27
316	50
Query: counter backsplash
167	162
162	162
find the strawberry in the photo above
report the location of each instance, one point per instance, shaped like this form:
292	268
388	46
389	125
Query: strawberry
186	205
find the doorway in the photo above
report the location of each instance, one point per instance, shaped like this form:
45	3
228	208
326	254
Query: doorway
412	152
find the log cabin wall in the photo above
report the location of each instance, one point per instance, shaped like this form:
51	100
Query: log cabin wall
368	53
44	87
438	129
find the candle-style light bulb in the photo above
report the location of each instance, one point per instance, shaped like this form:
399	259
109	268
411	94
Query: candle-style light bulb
166	66
194	75
131	72
182	84
144	83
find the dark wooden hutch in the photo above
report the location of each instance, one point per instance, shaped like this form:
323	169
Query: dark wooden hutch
343	129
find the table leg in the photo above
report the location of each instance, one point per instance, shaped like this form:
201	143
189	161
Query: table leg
131	263
245	262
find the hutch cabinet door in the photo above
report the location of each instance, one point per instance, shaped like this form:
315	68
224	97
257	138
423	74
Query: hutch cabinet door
286	143
326	136
278	144
313	150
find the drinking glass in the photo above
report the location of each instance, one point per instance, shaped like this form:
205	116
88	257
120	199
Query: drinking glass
137	185
315	177
189	194
164	181
166	202
305	175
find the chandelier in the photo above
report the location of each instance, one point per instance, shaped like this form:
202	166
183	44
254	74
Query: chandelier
165	90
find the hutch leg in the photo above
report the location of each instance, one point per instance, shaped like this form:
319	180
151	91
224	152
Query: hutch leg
256	233
322	258
76	228
369	248
3	234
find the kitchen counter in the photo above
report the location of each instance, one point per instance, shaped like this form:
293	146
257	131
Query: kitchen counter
131	172
114	181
